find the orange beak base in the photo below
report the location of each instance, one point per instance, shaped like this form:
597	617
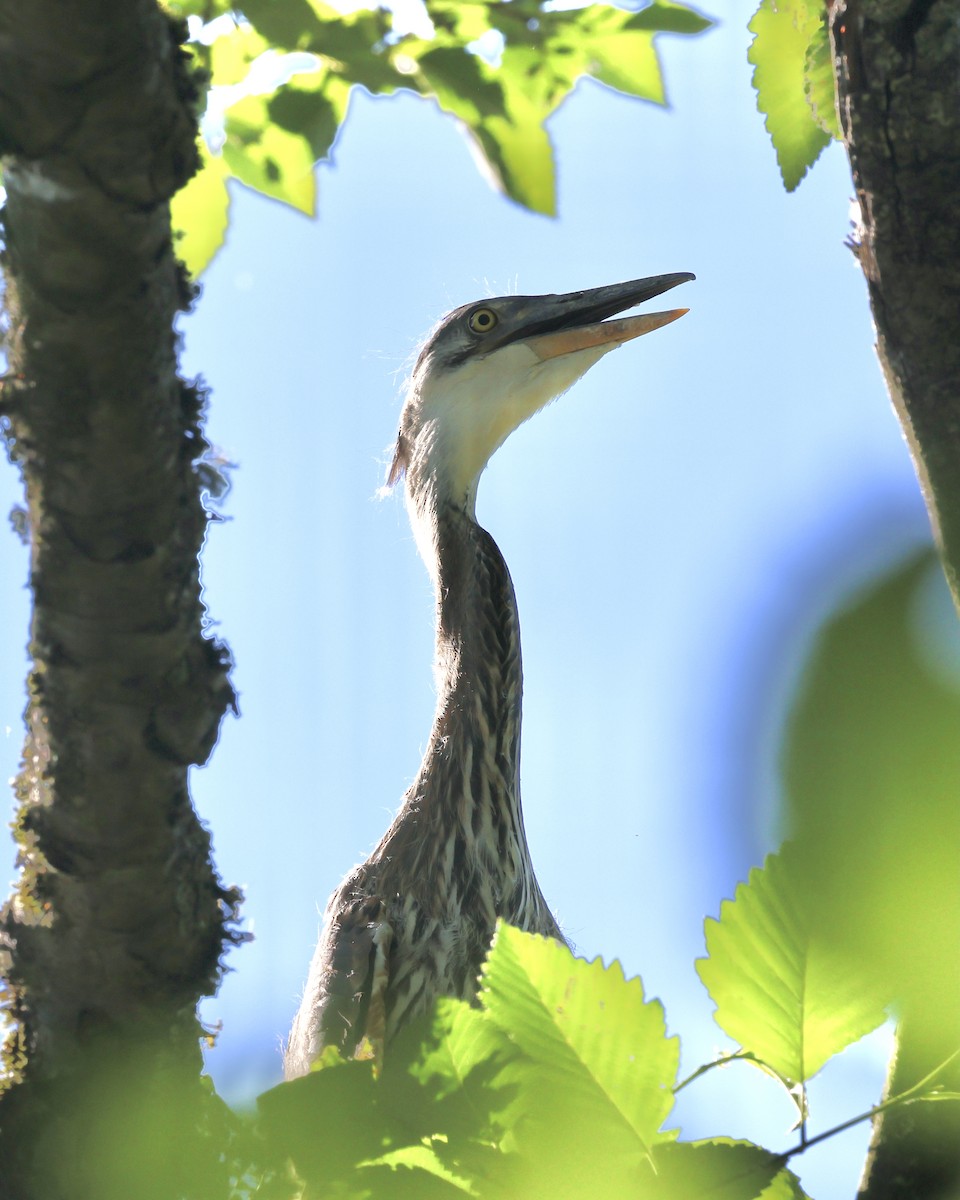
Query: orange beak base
601	333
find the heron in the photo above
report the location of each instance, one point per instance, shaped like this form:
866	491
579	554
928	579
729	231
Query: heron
415	920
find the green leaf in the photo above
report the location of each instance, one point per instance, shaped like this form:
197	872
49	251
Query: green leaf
585	1029
233	52
519	154
466	1039
872	774
456	23
325	1122
615	46
312	106
714	1169
199	213
786	1186
463	84
503	110
206	10
781	989
819	85
628	62
269	158
351	44
784	31
545	53
665	17
414	1172
291	25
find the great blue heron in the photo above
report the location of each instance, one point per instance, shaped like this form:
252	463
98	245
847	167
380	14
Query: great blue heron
415	920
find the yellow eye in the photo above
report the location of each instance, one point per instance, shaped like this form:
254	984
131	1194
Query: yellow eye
482	320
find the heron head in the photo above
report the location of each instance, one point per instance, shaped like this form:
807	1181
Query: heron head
490	365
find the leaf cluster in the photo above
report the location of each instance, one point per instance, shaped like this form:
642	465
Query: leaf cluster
557	1084
280	78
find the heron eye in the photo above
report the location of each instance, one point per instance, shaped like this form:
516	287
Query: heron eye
482	320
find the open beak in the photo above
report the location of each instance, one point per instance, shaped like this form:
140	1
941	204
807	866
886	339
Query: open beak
577	320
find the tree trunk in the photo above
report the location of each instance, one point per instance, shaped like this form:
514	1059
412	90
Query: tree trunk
898	88
898	82
118	921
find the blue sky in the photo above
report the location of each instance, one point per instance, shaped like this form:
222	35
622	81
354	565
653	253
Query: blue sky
676	527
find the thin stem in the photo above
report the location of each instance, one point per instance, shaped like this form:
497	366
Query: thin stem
907	1097
740	1055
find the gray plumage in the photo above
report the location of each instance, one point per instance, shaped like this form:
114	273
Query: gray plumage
415	920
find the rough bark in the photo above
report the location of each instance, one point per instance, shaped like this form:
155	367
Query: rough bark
898	87
898	75
118	921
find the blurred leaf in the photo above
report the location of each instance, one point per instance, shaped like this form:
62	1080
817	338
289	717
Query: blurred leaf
617	47
269	141
714	1169
199	213
232	53
290	25
781	988
502	111
267	157
664	16
312	106
325	1122
413	1173
624	57
784	31
586	1031
463	84
786	1186
545	53
516	148
353	45
872	771
206	10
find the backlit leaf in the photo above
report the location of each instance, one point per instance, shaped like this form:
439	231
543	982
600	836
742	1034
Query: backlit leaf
783	31
785	1186
312	106
781	989
206	10
199	212
267	157
584	1028
503	108
232	53
545	53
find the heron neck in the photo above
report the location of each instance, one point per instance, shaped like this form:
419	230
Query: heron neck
478	661
460	828
470	774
